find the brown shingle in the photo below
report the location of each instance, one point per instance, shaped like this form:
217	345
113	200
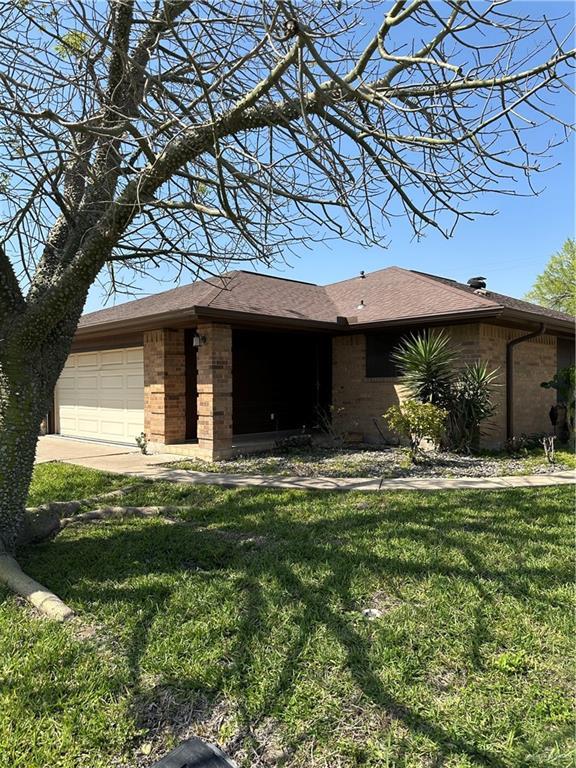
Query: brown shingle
396	294
388	295
509	301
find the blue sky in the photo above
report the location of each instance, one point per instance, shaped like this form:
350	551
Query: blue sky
509	248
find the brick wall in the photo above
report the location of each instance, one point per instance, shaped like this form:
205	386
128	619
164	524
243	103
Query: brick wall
215	391
358	400
534	362
164	386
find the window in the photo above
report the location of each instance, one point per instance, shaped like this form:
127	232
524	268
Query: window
379	349
565	353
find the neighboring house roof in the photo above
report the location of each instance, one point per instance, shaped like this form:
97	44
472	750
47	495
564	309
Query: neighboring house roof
387	296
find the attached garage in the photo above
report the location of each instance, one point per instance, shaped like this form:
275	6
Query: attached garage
100	395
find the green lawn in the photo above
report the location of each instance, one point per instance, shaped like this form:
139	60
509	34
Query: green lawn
242	621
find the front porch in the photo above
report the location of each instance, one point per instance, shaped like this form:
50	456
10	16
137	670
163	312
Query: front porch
213	391
241	444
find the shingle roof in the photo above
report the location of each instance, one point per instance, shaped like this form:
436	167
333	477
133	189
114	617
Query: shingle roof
387	295
237	291
395	294
509	301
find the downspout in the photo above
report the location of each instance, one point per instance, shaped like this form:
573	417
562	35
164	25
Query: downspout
510	376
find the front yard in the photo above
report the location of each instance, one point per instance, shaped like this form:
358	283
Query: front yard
386	462
316	630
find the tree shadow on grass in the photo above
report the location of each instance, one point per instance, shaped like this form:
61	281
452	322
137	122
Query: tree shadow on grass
246	540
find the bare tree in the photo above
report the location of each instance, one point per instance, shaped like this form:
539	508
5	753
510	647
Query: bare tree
134	133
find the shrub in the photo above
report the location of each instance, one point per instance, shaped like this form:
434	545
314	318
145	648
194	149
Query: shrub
564	382
470	405
142	443
294	442
427	363
417	421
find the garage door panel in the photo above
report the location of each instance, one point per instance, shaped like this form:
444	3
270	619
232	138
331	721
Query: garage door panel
135	355
111	409
68	422
133	381
85	360
113	382
67	383
116	428
101	395
86	382
117	357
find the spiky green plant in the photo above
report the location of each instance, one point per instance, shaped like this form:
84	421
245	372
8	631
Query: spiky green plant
426	361
428	369
471	404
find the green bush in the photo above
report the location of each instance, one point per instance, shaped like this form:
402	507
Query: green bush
428	369
471	404
564	382
417	421
427	361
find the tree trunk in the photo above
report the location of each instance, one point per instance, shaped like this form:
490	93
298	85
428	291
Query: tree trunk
22	406
27	381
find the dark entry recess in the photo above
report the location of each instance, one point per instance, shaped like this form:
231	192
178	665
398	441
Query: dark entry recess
191	385
280	380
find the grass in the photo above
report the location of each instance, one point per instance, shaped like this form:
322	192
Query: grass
243	622
388	462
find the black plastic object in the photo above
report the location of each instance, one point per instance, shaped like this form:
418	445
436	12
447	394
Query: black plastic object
194	753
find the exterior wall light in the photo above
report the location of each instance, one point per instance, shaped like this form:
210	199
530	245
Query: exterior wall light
198	341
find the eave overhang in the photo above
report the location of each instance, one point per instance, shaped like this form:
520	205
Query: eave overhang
191	316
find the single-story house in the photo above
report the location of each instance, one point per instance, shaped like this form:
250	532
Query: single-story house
203	367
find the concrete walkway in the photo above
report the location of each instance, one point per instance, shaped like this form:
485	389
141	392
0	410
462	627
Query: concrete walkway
126	460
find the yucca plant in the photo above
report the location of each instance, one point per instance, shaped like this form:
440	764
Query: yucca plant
426	362
428	369
471	404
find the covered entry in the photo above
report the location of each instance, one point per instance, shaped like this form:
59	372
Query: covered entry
280	380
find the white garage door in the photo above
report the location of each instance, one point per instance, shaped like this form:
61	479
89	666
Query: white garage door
100	395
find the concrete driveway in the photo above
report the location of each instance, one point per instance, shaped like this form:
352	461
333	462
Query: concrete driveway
108	457
56	448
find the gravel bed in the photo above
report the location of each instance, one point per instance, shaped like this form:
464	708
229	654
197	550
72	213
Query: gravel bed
365	462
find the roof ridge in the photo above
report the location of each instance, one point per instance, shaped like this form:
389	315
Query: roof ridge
359	276
278	277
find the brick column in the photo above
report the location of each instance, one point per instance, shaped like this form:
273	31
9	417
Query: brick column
215	390
164	386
